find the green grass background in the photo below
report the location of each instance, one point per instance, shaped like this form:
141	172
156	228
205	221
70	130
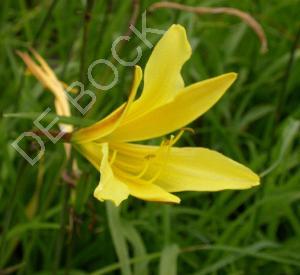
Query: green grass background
47	227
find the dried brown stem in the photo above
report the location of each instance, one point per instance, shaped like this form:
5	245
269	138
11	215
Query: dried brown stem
134	15
66	136
246	17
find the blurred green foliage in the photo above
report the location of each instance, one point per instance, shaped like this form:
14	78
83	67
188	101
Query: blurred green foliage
257	122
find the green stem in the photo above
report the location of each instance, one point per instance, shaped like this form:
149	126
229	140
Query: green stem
87	18
60	241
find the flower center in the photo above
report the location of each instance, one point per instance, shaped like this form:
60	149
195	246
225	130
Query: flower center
138	167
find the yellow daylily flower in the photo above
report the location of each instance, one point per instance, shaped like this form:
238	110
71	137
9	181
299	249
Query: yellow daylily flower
48	79
154	172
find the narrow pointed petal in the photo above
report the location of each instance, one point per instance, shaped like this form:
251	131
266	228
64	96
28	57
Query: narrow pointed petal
110	187
161	83
162	78
189	169
99	129
188	105
111	122
201	169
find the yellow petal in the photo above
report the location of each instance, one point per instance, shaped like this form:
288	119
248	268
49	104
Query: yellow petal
110	187
92	152
188	105
99	129
162	79
187	169
150	192
200	169
111	122
115	185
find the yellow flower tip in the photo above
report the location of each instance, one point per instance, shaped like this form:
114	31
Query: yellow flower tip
99	195
229	77
169	199
137	78
138	72
178	28
253	180
177	200
233	76
116	203
256	180
181	32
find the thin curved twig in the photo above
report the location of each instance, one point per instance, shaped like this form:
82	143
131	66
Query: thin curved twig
246	17
134	16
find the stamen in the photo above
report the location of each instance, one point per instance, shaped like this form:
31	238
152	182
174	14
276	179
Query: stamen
148	160
162	166
144	170
140	174
181	132
113	157
126	164
160	158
